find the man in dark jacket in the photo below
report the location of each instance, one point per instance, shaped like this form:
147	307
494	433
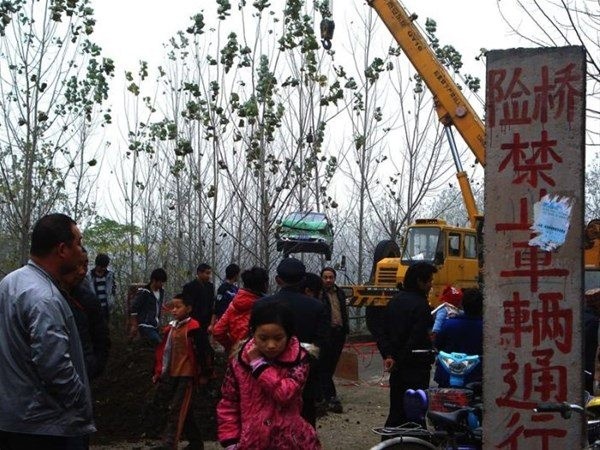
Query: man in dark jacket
146	308
227	290
89	318
201	294
335	304
96	356
310	321
407	326
591	314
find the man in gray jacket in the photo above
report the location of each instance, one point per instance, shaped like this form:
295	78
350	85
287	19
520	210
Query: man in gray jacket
45	394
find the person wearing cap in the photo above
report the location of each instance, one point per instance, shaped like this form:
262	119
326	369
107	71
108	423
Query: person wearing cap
591	314
310	321
450	306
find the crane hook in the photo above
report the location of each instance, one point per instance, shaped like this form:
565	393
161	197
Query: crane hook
327	27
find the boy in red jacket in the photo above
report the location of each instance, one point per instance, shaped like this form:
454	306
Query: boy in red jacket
176	367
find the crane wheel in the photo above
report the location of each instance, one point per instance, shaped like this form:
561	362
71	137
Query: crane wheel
384	249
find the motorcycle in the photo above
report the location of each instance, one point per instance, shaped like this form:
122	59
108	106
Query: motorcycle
453	413
459	394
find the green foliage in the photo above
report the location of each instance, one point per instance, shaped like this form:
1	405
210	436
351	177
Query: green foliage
473	83
419	84
358	103
197	27
266	84
374	69
359	141
163	130
229	52
249	109
335	93
109	236
261	5
183	147
7	11
448	56
223	9
324	8
378	114
294	25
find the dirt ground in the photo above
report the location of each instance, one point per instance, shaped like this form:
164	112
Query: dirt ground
121	393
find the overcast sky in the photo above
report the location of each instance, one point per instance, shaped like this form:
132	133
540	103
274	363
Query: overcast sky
130	30
134	30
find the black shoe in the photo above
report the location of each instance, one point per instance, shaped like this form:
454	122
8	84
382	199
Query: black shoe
335	406
194	446
321	408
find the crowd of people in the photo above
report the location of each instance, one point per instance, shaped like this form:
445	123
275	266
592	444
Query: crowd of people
282	352
282	348
54	338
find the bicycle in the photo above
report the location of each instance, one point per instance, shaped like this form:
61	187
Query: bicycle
566	409
452	431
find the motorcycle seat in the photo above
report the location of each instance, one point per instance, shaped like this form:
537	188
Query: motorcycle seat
450	421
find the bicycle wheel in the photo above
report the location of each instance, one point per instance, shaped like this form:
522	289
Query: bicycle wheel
404	443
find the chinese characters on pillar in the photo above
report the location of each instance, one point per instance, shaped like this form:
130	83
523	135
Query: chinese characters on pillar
536	314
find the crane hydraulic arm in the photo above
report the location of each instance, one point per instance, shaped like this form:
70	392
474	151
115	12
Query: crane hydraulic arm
452	107
452	249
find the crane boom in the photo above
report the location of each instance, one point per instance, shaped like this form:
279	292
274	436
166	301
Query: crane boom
461	268
451	105
452	249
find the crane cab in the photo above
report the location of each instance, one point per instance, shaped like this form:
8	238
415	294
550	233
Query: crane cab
453	250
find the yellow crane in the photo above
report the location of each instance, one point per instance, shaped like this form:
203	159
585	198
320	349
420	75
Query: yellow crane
454	250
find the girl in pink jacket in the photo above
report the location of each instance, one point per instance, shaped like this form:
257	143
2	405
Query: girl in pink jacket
262	390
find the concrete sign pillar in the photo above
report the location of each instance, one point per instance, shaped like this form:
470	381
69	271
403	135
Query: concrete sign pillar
533	240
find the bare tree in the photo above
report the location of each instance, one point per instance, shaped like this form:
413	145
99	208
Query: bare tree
592	188
51	76
136	171
550	23
366	113
255	142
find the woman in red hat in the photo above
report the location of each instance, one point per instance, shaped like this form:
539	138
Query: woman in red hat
451	299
